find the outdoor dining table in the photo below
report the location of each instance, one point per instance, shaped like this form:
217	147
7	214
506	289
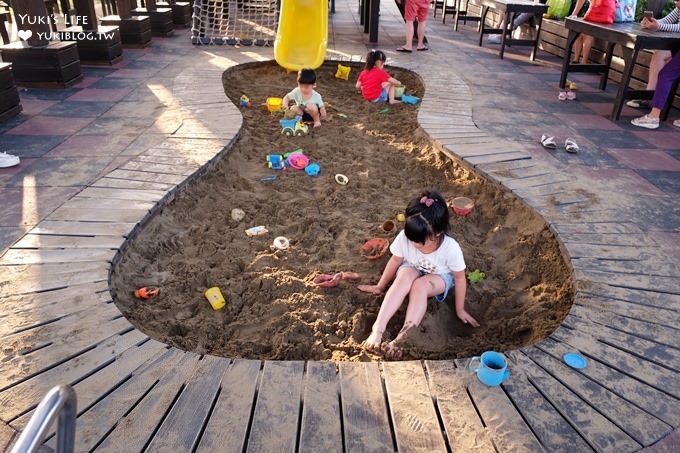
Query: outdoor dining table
508	8
632	39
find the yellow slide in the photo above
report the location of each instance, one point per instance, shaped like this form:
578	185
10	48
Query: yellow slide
302	36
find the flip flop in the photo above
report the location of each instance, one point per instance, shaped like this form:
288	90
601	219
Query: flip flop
548	141
571	145
401	49
571	95
562	96
423	49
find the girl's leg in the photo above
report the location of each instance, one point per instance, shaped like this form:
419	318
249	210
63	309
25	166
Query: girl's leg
390	94
667	76
394	297
577	47
421	289
659	59
587	44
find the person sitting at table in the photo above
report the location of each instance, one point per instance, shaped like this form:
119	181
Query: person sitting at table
599	11
671	22
667	76
520	20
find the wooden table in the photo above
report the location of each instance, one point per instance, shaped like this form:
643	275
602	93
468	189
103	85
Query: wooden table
632	38
509	8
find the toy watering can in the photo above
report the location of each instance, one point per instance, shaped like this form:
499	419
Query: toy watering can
491	368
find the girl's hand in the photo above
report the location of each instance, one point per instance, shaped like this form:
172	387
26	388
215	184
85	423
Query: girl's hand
466	318
371	289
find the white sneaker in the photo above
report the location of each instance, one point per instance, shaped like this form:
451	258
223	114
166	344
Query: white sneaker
676	123
495	39
645	121
8	160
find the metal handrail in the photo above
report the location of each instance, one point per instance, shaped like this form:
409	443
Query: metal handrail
59	402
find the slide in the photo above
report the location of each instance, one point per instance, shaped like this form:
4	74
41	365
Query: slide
302	36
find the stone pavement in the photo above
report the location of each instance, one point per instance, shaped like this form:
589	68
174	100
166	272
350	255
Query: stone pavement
614	203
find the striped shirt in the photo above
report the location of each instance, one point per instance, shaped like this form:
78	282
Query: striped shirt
670	22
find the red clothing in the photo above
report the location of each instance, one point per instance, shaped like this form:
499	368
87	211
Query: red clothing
371	82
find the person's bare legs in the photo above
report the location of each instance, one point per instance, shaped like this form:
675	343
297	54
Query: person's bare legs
421	288
577	47
408	28
390	93
313	111
587	45
421	34
394	297
658	61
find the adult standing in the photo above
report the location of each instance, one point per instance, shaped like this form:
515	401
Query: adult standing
415	9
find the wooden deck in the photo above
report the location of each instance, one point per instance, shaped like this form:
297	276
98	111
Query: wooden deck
59	325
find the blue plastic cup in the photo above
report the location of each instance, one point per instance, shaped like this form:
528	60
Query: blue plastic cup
491	368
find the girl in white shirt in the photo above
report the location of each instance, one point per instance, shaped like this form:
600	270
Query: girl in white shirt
425	262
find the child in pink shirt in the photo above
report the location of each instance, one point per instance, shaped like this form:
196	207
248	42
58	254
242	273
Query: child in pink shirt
375	84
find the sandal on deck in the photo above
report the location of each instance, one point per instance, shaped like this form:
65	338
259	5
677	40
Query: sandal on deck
562	96
403	49
571	145
548	141
571	95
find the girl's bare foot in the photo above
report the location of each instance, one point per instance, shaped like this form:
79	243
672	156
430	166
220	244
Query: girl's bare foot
392	351
374	339
317	124
371	289
396	101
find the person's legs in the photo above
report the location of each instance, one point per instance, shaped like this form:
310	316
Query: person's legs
421	289
577	48
387	86
313	111
423	10
667	76
587	45
394	297
658	61
410	13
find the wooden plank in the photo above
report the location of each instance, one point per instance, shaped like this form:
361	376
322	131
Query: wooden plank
21	312
143	176
182	426
509	432
366	423
320	429
34	351
638	424
151	167
600	432
624	325
49	241
277	410
24	396
661	405
98	215
464	429
501	157
137	427
109	182
655	351
34	278
107	204
51	256
552	429
94	387
145	195
227	428
414	417
643	298
65	227
661	316
625	362
93	425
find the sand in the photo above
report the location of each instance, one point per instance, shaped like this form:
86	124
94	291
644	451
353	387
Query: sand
273	309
